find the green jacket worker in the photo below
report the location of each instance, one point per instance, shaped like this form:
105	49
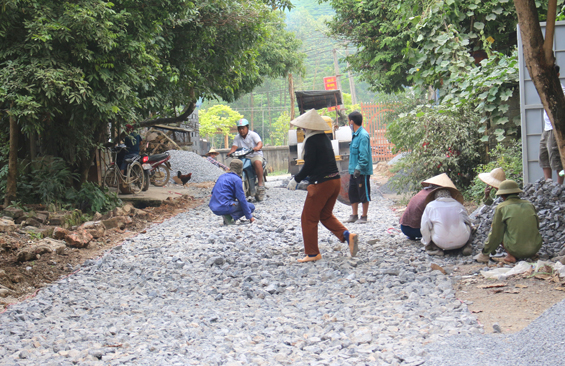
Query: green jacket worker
515	225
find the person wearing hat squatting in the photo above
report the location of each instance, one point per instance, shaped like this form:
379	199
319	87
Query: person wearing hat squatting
211	157
515	225
412	217
492	179
228	199
445	223
360	168
251	140
321	167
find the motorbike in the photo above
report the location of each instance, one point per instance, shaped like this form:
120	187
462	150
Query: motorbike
157	169
249	178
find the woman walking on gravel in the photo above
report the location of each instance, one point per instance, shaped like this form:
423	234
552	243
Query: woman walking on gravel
321	168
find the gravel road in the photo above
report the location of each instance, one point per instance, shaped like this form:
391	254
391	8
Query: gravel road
190	291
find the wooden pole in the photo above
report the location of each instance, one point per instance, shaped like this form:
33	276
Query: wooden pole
251	97
291	92
11	183
336	70
351	82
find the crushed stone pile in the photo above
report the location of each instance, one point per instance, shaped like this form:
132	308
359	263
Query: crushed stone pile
549	200
189	162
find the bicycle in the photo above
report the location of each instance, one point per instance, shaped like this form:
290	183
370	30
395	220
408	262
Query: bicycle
134	179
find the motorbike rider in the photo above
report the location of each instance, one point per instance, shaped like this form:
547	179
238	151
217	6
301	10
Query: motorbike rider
132	141
251	140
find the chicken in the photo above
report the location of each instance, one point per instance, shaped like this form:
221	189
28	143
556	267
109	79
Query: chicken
184	178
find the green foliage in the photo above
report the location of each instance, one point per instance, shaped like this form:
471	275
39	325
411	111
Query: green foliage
93	198
67	68
439	142
487	88
217	119
507	157
46	180
281	126
422	43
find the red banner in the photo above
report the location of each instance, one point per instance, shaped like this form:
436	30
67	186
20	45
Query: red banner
330	83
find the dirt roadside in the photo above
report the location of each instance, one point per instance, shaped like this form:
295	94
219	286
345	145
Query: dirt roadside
516	303
25	279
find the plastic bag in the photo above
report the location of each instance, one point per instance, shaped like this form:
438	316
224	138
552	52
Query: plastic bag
504	273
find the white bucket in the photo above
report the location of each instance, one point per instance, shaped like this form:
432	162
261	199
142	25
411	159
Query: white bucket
299	148
335	146
292	140
343	133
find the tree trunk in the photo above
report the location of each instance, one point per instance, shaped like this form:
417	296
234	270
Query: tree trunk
540	65
11	184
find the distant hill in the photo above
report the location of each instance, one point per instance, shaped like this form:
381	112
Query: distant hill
315	9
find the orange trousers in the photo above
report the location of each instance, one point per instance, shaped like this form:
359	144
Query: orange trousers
318	207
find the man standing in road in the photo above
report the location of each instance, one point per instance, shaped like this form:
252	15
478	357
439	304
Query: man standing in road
251	140
360	168
549	158
228	199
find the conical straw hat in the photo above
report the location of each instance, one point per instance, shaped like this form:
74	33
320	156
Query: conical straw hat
455	194
311	120
494	178
441	180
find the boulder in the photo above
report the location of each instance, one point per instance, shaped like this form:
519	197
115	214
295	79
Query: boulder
7	226
59	220
94	228
119	222
43	246
13	212
42	216
78	239
32	221
141	214
118	211
128	208
97	217
60	233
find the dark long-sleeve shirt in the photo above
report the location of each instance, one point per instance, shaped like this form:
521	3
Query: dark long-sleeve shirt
412	217
319	160
227	189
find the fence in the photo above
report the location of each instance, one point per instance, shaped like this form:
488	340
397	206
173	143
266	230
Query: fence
375	121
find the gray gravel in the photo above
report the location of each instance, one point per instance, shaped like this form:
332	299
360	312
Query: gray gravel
189	162
190	291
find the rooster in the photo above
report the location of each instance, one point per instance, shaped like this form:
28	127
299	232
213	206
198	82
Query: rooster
184	178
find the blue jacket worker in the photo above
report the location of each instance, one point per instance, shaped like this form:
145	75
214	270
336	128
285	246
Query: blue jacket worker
228	199
360	168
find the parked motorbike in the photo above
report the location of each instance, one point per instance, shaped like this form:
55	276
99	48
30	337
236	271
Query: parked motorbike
157	169
249	177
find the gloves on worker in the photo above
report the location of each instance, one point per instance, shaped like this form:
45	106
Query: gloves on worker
292	184
356	173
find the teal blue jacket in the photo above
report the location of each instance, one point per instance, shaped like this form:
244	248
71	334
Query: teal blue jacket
360	154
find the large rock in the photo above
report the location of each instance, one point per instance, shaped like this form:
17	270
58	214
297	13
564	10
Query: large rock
118	211
7	226
78	239
129	209
43	246
42	216
119	222
13	212
32	221
60	233
94	228
59	220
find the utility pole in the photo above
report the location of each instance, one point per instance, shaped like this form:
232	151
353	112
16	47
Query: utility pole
336	70
251	97
351	82
291	91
